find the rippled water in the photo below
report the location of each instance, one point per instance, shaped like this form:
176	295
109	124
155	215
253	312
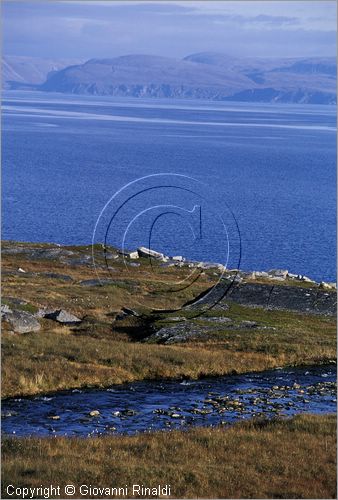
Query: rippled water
274	165
147	406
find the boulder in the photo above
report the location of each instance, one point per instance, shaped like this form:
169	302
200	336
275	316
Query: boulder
151	254
178	258
62	316
22	321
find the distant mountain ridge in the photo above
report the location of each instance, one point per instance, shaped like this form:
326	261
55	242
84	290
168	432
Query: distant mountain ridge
28	72
205	75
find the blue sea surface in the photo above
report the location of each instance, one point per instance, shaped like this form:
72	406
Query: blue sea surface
272	166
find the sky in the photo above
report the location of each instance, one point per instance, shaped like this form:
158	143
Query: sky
87	29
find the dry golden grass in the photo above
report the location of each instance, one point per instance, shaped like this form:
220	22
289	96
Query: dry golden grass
282	459
101	352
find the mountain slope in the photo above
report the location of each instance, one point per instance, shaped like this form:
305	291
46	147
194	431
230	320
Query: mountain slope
20	71
204	75
148	76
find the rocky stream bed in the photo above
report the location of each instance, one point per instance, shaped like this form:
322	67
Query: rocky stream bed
165	405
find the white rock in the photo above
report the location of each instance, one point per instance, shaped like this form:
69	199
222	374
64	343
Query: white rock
306	279
293	276
62	316
21	270
327	286
130	255
133	255
148	253
178	258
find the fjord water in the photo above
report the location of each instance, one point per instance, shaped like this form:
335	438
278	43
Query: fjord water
272	165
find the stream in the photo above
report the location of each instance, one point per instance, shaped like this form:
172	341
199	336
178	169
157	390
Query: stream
163	405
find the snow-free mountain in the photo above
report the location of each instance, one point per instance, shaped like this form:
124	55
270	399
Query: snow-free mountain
204	75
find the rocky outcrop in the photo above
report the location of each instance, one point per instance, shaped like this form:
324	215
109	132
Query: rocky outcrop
312	300
182	332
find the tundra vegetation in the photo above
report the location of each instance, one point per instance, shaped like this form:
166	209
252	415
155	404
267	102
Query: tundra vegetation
82	329
255	459
105	346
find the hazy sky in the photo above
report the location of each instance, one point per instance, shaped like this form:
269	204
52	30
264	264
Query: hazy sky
173	28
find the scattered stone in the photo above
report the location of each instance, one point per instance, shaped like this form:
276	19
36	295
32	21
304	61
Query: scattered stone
22	321
62	316
134	264
94	413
